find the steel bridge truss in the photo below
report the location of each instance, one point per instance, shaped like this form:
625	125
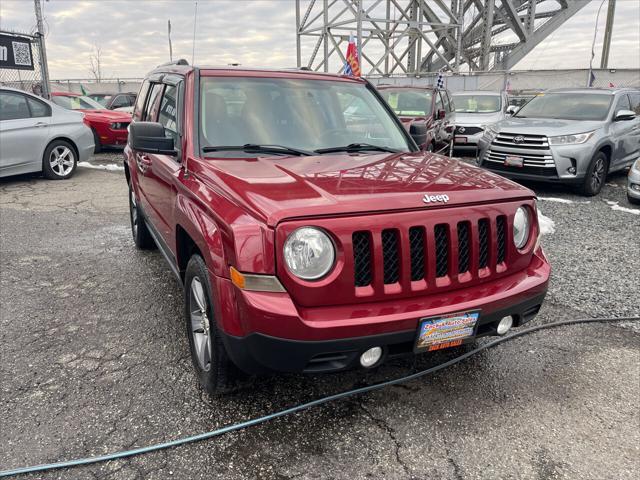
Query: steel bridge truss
409	37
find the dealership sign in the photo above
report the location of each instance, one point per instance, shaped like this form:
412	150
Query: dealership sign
15	52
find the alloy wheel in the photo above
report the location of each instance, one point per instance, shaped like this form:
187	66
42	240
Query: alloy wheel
61	160
200	326
597	177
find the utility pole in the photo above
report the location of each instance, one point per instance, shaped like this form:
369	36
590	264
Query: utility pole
608	32
170	46
44	66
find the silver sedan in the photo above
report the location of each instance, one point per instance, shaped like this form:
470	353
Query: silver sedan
39	136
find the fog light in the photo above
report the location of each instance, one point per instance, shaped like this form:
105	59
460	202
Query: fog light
571	170
371	357
635	186
505	324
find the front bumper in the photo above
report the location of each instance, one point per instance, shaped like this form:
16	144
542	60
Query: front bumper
565	157
471	143
267	332
633	184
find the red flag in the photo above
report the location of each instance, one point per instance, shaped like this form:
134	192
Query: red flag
352	67
611	85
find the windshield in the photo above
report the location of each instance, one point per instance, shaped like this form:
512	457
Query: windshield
567	106
308	115
409	103
477	103
76	103
101	98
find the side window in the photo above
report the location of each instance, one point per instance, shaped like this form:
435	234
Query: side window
13	106
447	101
142	96
38	108
439	103
168	115
622	104
120	101
635	102
131	100
153	104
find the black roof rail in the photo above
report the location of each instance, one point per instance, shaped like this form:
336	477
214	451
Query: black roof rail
180	61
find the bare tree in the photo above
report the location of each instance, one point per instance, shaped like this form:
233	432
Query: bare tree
95	63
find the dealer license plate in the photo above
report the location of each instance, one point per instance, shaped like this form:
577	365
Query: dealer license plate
460	139
511	161
436	333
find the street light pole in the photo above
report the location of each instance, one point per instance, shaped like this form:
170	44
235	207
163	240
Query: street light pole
44	66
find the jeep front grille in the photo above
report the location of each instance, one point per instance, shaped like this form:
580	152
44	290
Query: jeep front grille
443	256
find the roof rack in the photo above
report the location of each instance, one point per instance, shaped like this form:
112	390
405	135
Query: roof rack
180	61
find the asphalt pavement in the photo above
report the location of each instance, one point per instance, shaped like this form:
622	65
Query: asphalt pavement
94	359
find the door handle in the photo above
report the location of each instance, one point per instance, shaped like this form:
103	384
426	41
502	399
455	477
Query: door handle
40	125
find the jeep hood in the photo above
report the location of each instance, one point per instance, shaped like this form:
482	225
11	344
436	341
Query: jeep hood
547	126
275	188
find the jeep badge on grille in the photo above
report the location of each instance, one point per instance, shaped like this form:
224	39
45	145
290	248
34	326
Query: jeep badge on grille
435	198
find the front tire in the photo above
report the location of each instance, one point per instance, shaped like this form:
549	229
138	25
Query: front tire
59	160
596	175
632	200
216	372
139	230
97	146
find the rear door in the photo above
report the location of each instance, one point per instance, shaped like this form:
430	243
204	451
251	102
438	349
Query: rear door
157	173
24	130
149	113
162	176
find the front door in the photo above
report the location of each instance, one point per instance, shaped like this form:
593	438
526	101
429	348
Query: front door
624	134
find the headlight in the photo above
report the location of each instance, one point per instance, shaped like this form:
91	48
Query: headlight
119	126
309	253
490	131
570	139
521	227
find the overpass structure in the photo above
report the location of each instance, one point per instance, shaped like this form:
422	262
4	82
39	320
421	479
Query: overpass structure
408	37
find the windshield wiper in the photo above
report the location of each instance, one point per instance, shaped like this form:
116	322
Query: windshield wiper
356	147
255	148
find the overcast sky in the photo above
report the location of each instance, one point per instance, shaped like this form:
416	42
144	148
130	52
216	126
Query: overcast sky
133	34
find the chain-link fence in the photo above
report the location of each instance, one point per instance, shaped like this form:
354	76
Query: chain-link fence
27	80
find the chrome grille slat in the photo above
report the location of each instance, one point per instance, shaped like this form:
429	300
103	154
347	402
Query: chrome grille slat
534	150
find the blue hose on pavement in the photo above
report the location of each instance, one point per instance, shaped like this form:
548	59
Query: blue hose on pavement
298	408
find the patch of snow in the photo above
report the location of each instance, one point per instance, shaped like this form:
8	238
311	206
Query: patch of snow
110	167
561	200
547	226
615	206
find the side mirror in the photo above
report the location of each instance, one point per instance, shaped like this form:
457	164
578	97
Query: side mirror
624	115
441	114
511	110
418	132
149	137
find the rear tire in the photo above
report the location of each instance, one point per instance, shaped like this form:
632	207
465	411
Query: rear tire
139	230
215	370
596	175
59	160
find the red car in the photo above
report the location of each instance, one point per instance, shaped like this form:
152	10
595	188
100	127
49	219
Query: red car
427	112
313	236
109	127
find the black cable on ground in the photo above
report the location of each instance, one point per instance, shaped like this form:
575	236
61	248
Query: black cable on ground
303	406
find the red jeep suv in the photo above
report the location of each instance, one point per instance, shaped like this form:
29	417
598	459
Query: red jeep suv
308	230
